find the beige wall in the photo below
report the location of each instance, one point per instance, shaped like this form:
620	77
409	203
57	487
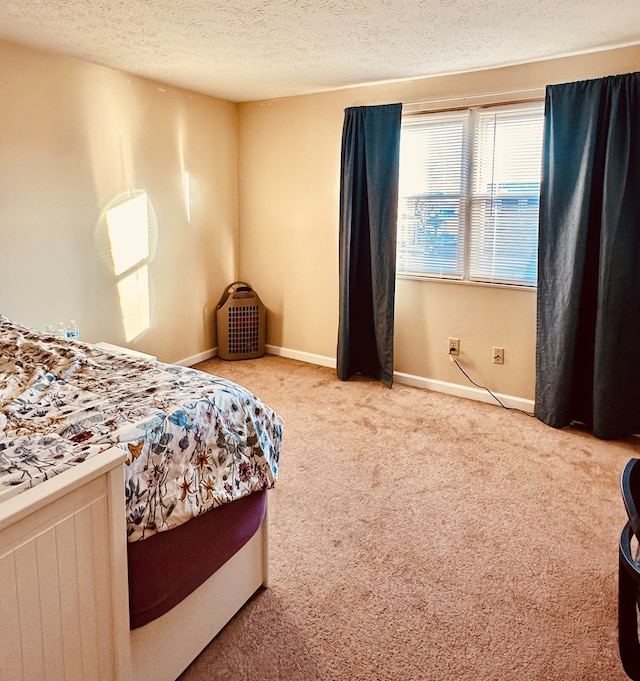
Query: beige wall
72	138
289	158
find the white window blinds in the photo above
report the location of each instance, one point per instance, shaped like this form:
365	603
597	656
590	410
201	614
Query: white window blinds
507	152
432	187
469	194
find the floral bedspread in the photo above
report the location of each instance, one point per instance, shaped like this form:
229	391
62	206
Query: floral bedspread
194	441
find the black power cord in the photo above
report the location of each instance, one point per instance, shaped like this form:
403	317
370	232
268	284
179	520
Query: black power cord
484	387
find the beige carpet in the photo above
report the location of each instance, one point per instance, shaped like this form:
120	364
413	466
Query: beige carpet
420	536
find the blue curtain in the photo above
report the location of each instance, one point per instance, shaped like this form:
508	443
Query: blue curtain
588	327
368	218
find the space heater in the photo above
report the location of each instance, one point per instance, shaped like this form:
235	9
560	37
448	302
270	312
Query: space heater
240	320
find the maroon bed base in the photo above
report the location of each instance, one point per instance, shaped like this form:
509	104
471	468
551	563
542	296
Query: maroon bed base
165	568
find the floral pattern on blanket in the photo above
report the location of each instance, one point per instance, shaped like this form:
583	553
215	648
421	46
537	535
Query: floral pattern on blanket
194	441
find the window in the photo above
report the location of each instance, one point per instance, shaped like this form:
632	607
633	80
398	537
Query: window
470	193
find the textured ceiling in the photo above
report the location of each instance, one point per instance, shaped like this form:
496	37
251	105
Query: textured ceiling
260	49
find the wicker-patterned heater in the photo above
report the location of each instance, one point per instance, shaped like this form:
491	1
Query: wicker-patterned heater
240	318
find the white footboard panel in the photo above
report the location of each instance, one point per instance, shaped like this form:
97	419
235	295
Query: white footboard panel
63	586
63	598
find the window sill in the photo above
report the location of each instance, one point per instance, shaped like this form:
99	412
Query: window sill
466	282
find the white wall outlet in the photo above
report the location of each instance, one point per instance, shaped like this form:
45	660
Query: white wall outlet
453	346
497	355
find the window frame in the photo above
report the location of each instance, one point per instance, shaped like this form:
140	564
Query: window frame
469	195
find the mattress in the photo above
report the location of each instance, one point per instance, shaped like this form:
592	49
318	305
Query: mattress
194	441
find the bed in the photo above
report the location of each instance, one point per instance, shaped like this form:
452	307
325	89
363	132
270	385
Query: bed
133	509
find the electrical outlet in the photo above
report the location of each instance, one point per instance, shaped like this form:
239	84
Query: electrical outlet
497	355
453	346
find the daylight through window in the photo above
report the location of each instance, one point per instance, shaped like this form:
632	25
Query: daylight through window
470	193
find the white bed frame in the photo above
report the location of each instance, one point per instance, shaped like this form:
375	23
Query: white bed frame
63	586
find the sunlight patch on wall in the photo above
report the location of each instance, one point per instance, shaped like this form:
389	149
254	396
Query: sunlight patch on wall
186	184
127	237
133	291
128	230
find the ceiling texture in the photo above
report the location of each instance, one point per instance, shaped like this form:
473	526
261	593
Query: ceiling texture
244	50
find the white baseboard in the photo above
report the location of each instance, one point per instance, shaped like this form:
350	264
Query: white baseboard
321	360
468	392
200	357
